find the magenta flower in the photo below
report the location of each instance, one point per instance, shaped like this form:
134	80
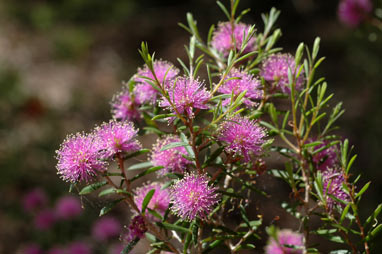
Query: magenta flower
186	94
45	219
191	197
243	137
34	200
78	158
164	72
332	183
32	248
159	202
106	228
117	137
125	107
79	248
275	70
327	158
136	229
239	81
353	12
223	42
171	159
68	207
287	242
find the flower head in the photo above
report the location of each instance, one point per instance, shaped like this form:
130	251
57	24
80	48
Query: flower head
45	219
34	200
275	70
78	158
68	207
79	248
192	197
327	158
106	228
117	137
164	72
171	159
242	136
239	81
353	12
222	38
136	229
186	94
125	106
159	201
333	180
287	242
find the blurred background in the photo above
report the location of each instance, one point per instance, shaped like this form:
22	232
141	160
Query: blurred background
61	62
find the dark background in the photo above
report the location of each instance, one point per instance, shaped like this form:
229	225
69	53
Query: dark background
62	61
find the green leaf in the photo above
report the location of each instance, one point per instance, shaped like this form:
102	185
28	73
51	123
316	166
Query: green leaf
374	215
109	207
130	246
92	187
107	191
373	234
316	47
161	116
140	165
173	145
146	172
174	227
187	147
147	200
142	151
364	188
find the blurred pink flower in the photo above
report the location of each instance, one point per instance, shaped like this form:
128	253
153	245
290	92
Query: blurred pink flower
32	248
79	248
45	219
106	228
353	12
34	200
68	207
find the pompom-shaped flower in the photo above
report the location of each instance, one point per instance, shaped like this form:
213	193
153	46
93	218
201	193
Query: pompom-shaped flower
125	106
327	158
243	137
137	229
45	219
223	42
287	242
159	201
34	200
192	197
186	94
353	12
78	158
68	207
171	159
239	81
143	91
106	228
332	182
117	137
275	70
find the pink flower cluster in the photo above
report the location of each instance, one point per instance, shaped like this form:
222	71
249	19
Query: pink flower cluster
353	12
286	242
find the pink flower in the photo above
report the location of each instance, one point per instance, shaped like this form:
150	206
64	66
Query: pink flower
239	81
222	38
45	219
143	91
159	202
171	159
186	94
137	229
57	250
78	158
191	197
275	70
287	242
34	200
327	158
68	207
106	228
79	248
333	181
353	12
243	137
117	137
125	107
32	248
